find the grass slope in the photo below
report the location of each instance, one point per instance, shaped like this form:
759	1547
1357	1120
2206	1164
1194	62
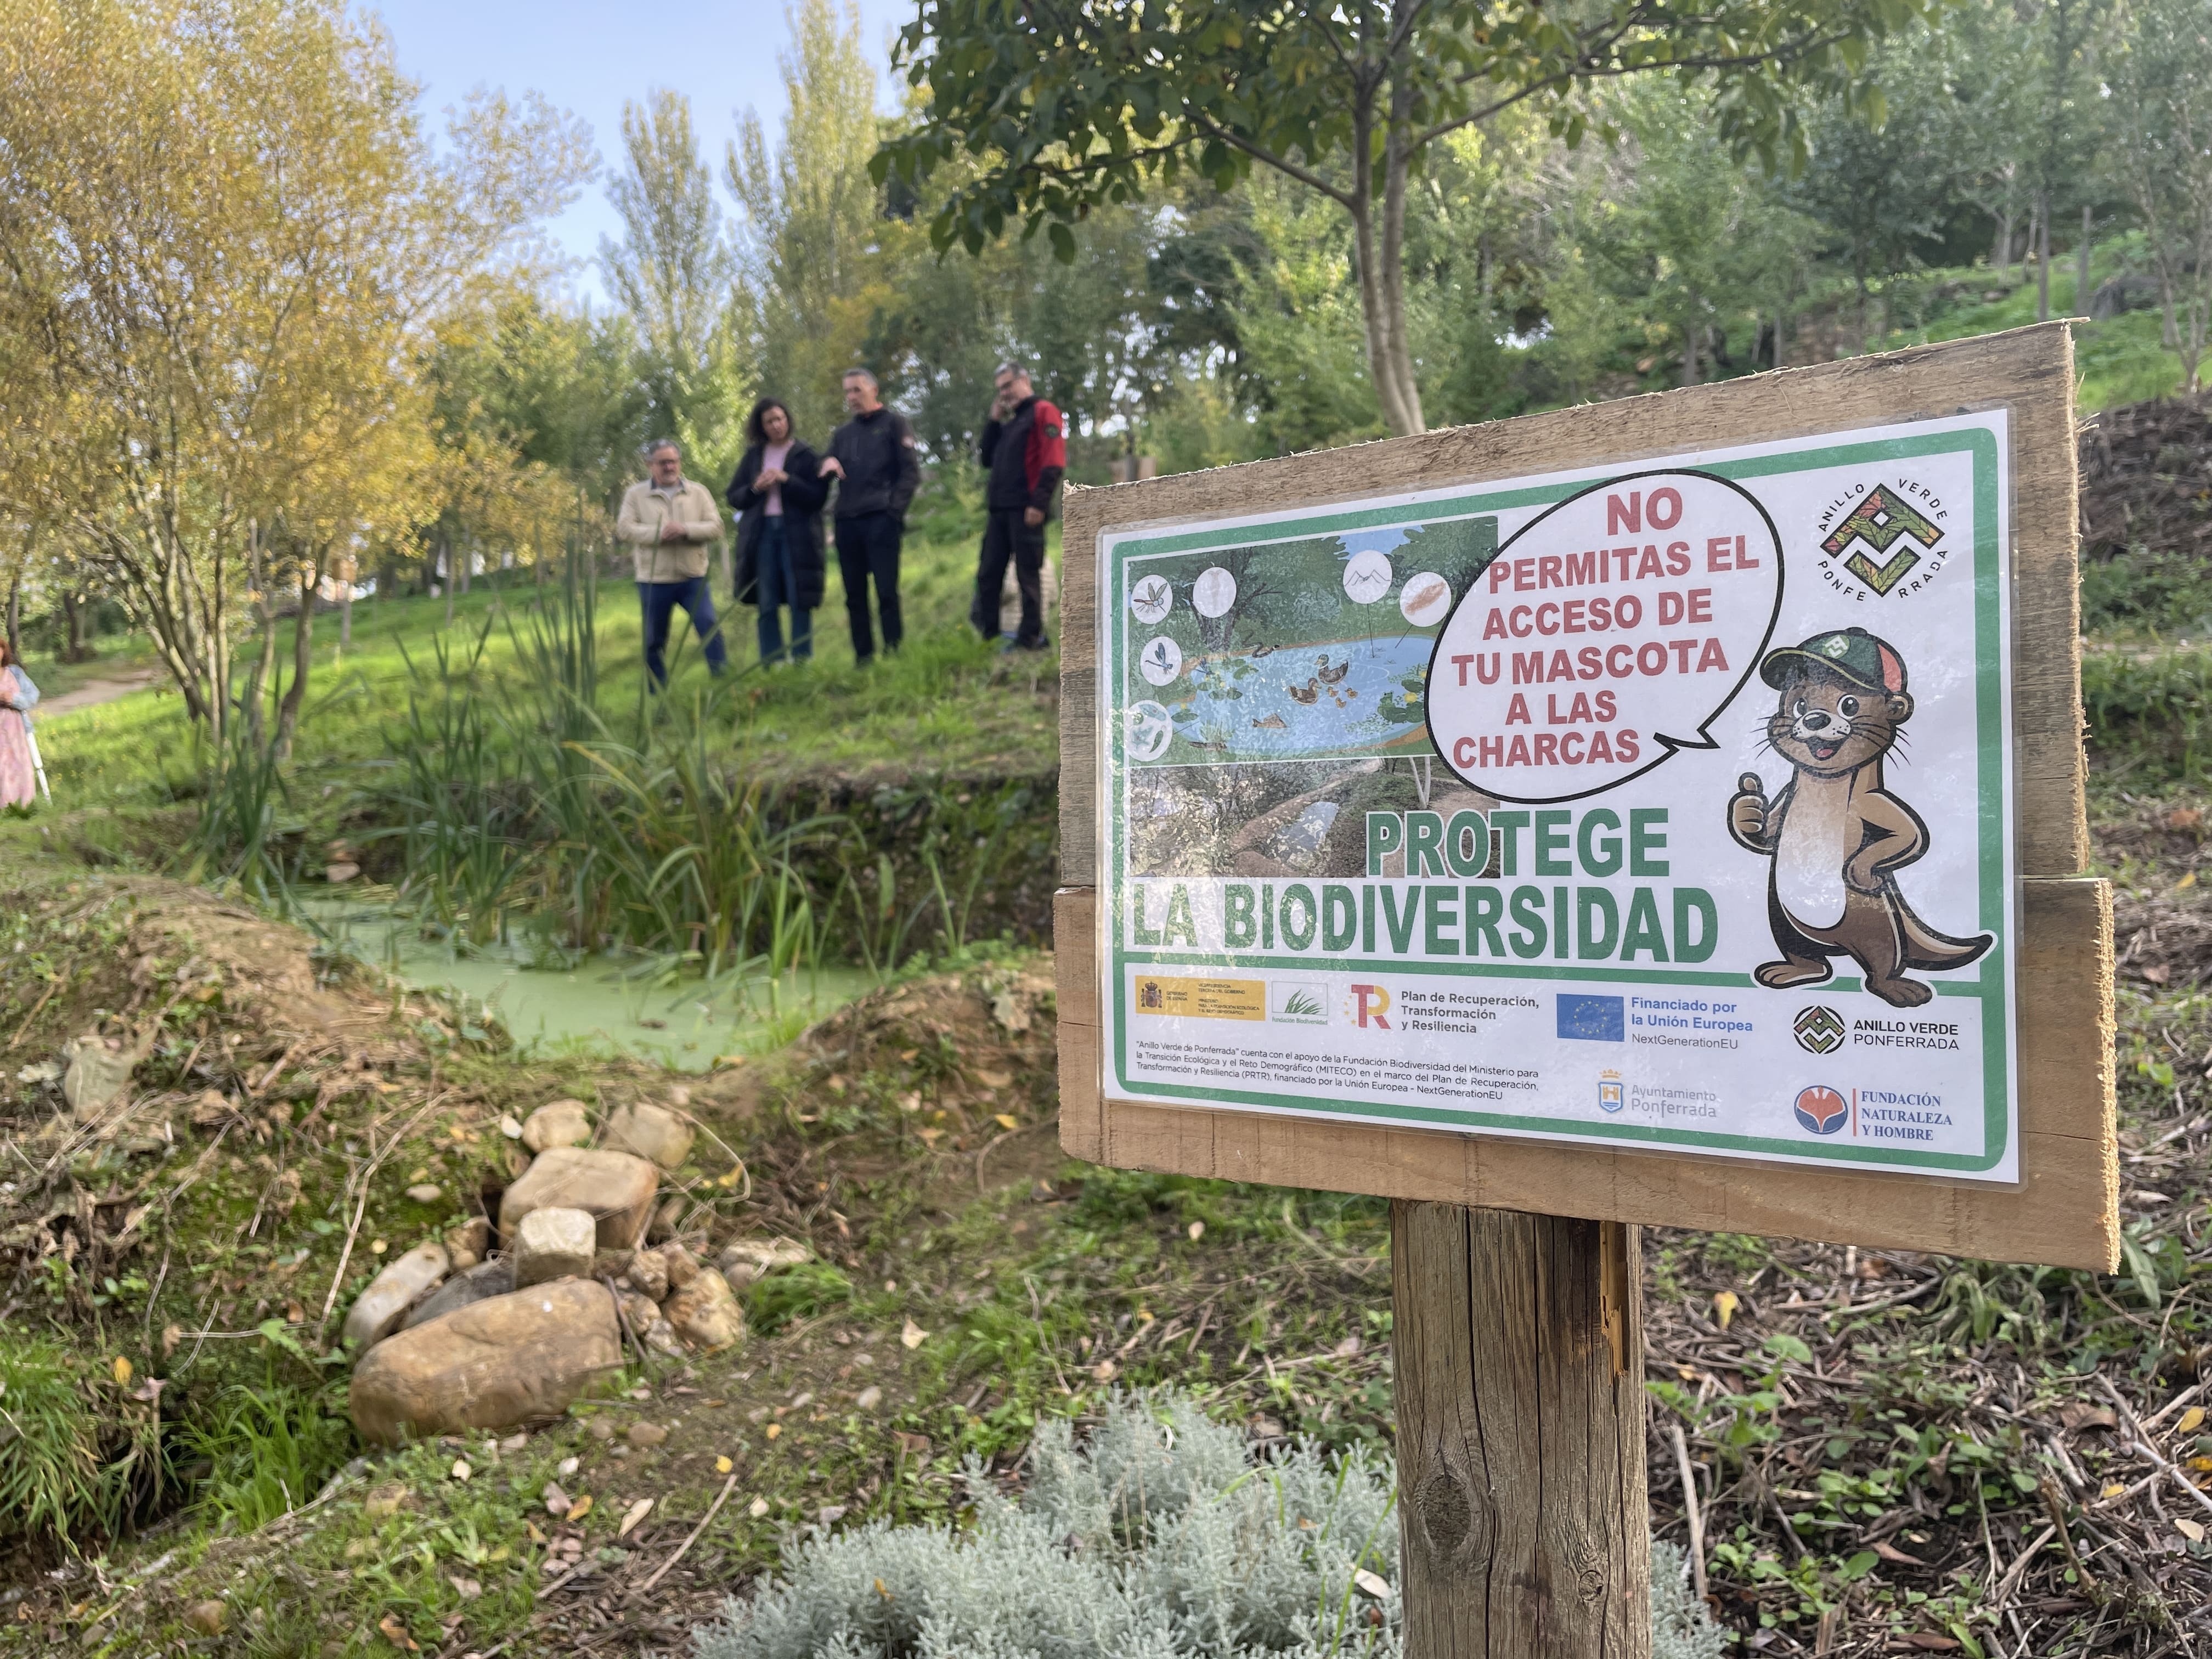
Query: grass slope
948	704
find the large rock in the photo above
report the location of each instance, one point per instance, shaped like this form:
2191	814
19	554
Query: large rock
650	1132
493	1364
477	1283
393	1291
99	1074
648	1271
559	1123
616	1188
705	1313
554	1243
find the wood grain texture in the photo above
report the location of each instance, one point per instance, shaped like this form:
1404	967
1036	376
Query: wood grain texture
2065	1212
1521	1473
2029	371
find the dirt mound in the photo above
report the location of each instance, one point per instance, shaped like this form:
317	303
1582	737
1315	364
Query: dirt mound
2146	478
985	1027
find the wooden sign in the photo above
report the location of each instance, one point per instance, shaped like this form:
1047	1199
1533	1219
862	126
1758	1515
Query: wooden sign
1663	812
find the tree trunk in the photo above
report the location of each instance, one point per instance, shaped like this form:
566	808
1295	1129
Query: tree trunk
1518	1348
257	580
303	656
1690	332
2042	256
445	572
2081	262
16	618
2000	255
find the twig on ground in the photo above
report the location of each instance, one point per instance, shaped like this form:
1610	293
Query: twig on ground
2143	1448
1690	1509
728	1486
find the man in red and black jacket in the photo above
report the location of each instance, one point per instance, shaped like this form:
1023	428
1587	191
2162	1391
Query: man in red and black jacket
1025	445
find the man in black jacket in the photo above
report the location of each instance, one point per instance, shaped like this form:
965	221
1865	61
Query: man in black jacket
1025	447
873	458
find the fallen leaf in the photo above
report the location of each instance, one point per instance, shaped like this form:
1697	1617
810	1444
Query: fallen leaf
1347	1348
1006	1121
2191	1421
1197	1230
757	1507
913	1336
2158	973
1889	1552
395	1632
1931	1643
580	1508
1104	1370
2193	1531
774	1430
172	1336
556	1501
536	1536
2080	1416
122	1372
993	1079
2112	1489
635	1513
881	1591
723	1465
467	1589
1725	1305
2185	883
1374	1584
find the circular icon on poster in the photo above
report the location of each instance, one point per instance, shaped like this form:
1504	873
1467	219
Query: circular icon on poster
1151	731
1213	592
1821	1109
1160	661
1152	600
1427	600
1366	577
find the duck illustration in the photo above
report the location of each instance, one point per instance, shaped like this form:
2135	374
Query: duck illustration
1307	693
1272	723
1259	650
1330	677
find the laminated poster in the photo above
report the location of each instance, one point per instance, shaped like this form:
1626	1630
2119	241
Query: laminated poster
1662	806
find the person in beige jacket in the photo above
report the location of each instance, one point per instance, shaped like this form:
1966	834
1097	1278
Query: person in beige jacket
672	525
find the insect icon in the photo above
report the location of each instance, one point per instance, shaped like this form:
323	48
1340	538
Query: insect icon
1161	660
1152	600
1367	577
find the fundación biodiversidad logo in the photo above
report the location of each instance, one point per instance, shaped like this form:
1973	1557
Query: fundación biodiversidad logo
1882	536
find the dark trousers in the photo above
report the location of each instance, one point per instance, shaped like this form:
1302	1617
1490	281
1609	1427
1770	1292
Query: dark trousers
779	586
868	545
1004	536
660	601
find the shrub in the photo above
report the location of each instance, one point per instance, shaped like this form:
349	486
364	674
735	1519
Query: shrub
54	1481
1159	1538
798	1291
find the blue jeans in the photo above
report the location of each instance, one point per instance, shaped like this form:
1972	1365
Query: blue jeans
659	601
779	586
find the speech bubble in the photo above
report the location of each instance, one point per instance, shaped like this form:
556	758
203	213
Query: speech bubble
1611	631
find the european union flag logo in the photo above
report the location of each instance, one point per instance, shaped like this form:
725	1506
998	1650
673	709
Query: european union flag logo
1594	1019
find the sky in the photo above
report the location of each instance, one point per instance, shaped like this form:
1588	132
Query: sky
588	58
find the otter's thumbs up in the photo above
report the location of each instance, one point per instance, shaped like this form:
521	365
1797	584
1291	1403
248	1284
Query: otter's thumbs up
1747	813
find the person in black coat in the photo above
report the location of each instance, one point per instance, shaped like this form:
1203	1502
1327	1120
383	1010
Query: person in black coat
778	495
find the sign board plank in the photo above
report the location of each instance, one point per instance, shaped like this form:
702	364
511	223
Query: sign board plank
2052	1197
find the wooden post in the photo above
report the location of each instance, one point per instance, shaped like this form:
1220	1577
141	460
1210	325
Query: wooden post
1519	1348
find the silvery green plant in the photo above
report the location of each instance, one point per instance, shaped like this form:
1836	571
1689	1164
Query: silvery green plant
1160	1538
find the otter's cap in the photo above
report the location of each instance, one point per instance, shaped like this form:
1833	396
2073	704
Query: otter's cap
1850	654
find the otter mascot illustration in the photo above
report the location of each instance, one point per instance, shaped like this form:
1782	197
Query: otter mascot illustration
1836	837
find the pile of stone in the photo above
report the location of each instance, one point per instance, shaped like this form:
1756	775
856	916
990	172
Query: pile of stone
453	1335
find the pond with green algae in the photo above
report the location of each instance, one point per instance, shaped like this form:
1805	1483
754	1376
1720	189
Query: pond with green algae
607	1005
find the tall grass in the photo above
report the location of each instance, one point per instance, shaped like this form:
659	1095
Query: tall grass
514	793
270	1450
60	1478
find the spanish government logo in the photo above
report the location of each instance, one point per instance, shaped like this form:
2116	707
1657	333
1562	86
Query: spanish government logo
1819	1030
1821	1110
1883	537
1610	1097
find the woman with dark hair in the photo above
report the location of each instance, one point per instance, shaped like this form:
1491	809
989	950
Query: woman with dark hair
778	494
19	770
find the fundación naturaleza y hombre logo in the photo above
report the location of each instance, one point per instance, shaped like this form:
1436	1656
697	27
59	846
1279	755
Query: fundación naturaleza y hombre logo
1822	1111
